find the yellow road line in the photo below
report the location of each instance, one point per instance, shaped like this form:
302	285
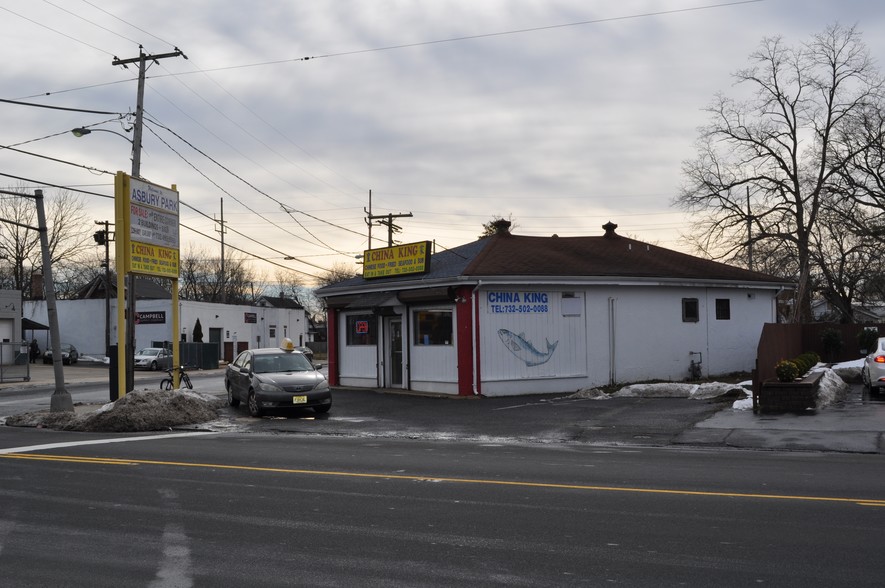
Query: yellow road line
548	485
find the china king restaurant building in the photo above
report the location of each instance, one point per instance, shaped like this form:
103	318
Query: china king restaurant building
511	315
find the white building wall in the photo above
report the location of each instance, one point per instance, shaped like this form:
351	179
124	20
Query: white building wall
81	323
625	334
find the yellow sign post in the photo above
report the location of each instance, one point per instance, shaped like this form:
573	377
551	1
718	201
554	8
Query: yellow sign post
147	244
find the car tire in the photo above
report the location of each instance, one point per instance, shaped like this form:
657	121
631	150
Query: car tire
254	408
322	409
231	399
153	366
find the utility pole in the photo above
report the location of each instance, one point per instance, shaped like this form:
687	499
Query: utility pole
387	220
104	237
61	400
222	230
141	60
369	219
749	233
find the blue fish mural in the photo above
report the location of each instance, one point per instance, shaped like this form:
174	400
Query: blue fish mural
524	350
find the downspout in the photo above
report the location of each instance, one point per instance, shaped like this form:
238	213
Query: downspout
612	360
474	320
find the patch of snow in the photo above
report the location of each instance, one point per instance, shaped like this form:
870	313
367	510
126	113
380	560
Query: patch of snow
704	391
589	393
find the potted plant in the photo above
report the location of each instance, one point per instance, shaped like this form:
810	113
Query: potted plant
786	370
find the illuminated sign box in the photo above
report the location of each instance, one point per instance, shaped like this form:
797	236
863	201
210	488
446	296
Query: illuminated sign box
411	258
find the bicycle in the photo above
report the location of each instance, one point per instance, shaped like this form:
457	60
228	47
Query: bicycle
167	383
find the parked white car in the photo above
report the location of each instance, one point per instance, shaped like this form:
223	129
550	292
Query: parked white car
153	358
873	371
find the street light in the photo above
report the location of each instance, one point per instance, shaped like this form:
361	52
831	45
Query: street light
82	131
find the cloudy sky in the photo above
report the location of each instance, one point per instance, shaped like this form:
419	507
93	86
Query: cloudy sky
562	114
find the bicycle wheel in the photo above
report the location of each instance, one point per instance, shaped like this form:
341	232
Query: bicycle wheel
166	384
185	379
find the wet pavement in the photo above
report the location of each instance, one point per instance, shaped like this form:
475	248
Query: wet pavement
856	424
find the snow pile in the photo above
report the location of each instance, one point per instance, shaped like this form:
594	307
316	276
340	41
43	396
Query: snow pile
704	391
832	388
140	410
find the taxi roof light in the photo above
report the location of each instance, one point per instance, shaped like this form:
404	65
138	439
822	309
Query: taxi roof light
288	345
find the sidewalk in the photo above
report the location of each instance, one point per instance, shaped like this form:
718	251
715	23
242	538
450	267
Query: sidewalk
81	372
855	426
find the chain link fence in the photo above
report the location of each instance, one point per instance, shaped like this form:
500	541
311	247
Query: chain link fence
14	364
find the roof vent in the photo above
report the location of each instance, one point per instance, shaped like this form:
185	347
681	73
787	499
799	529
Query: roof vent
501	226
610	229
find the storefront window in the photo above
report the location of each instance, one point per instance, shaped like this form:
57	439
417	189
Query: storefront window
433	327
361	329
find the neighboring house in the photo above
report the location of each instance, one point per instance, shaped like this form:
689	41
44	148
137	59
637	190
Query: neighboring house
823	311
509	315
233	327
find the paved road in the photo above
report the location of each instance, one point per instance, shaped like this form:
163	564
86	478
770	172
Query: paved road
246	509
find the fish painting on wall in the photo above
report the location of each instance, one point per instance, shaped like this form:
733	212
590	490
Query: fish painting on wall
524	350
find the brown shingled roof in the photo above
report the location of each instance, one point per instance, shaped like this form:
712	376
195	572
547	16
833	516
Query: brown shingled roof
610	255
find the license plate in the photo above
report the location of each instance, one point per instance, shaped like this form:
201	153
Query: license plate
299	400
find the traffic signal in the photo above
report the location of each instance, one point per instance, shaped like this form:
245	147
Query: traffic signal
100	237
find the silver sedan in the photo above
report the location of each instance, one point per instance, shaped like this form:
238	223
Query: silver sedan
276	378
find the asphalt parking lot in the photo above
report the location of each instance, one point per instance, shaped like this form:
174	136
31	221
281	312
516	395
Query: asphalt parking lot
856	424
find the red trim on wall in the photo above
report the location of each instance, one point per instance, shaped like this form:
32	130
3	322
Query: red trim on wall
332	345
464	331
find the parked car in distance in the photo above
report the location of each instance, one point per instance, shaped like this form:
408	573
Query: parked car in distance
69	354
276	378
307	351
873	371
153	358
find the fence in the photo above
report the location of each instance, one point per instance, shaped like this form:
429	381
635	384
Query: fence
14	364
787	341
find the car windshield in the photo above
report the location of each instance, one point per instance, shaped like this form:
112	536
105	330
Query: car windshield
281	362
148	352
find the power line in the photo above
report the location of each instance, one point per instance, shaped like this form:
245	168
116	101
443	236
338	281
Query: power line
20	103
251	185
478	36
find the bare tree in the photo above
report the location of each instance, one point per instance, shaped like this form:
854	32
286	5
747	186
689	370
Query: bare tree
768	161
67	232
339	272
201	279
290	284
843	255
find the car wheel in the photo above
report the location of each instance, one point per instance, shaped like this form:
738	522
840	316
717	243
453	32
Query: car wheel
254	408
153	366
231	399
322	409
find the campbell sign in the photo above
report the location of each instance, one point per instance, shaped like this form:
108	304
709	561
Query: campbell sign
411	258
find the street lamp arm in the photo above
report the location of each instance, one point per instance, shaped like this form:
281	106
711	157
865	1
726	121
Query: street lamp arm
81	131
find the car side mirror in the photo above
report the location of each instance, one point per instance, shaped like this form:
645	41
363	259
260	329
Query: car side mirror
318	366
